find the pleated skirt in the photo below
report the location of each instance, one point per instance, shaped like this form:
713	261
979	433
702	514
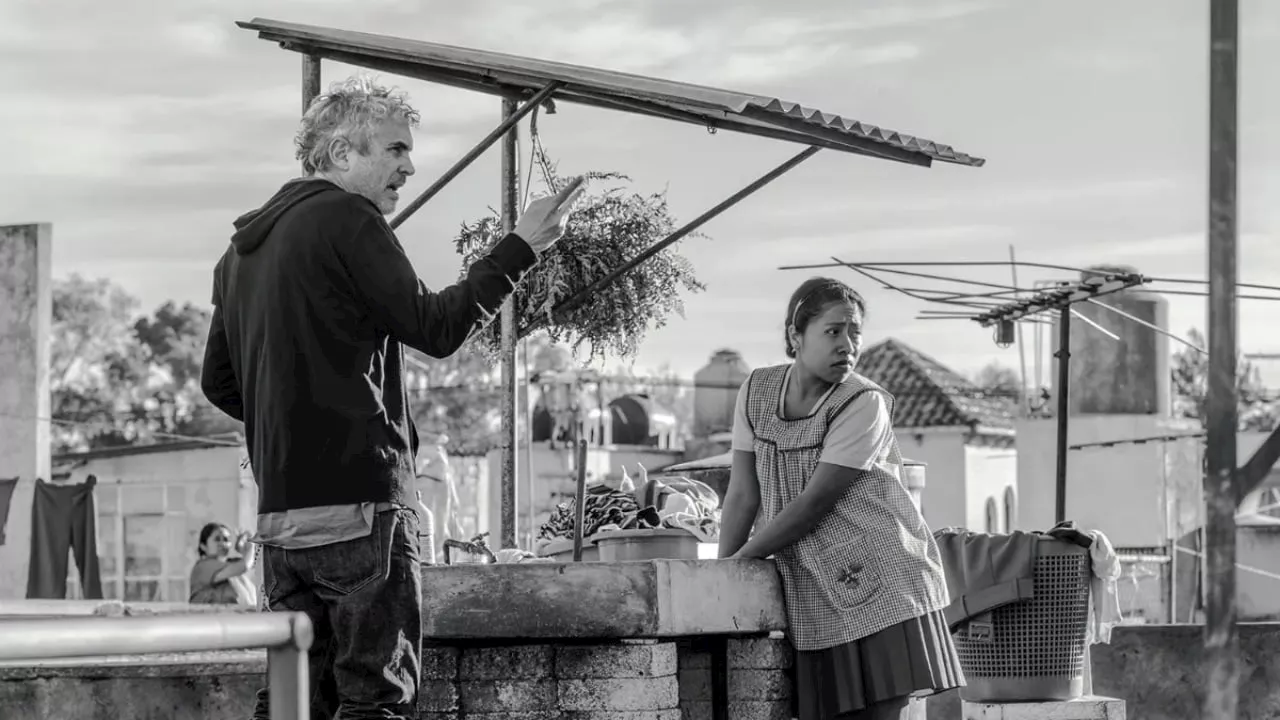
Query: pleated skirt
915	658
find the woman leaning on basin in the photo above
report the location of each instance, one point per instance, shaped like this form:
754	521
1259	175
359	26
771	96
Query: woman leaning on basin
815	455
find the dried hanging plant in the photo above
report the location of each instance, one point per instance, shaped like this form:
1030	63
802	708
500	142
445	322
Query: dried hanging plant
609	227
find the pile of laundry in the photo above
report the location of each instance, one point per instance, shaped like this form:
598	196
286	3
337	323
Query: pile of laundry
672	502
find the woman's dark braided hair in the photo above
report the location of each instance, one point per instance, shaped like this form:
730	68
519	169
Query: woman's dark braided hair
809	300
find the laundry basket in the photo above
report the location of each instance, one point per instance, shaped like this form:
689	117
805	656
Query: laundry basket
1033	650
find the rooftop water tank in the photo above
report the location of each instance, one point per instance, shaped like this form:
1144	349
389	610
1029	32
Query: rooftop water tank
637	420
1129	376
716	391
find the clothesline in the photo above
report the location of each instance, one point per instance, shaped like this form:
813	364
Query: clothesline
1239	566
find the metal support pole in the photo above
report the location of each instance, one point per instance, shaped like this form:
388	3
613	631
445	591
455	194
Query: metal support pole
595	287
510	433
310	80
1064	396
527	410
288	683
1221	642
504	129
579	486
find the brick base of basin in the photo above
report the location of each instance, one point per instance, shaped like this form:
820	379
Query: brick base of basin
617	680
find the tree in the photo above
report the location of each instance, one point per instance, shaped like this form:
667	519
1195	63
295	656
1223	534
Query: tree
120	380
173	341
1190	371
457	396
999	380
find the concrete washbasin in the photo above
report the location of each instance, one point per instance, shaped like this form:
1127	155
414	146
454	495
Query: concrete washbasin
601	600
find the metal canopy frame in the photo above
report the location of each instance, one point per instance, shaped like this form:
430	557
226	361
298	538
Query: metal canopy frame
524	84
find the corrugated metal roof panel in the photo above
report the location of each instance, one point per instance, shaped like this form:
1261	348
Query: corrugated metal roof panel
496	73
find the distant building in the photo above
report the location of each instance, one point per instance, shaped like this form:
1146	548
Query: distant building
964	436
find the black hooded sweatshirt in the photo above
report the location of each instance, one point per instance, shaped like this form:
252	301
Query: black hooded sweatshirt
312	303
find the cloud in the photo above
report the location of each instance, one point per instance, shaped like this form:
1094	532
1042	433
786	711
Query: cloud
207	37
888	243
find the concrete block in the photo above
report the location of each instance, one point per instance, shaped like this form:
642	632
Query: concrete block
622	660
615	715
739	710
695	684
503	696
762	652
619	694
440	662
510	662
435	696
1090	707
530	715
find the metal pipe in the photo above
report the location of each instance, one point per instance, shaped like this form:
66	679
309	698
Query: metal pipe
505	128
1259	465
530	493
1221	641
310	80
507	353
579	490
288	684
582	295
1150	326
1090	322
29	639
1064	392
1024	398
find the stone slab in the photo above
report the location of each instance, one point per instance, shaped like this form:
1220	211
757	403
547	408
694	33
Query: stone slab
1084	708
598	600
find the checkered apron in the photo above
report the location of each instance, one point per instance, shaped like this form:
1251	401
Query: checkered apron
871	562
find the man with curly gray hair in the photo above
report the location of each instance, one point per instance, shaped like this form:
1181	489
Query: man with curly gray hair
313	301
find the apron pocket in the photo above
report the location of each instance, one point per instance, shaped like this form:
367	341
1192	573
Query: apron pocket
850	575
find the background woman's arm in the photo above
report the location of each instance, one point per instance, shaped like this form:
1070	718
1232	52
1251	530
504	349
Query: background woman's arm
240	565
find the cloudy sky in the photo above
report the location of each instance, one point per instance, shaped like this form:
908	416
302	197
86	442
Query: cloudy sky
142	131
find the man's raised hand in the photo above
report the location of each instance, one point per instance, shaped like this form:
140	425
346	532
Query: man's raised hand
544	221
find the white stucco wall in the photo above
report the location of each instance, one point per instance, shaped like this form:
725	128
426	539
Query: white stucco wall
942	450
988	473
1138	494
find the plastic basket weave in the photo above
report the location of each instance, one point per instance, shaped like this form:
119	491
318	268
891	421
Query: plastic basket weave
1033	650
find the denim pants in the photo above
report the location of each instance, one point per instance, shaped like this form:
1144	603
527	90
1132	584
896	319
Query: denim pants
364	599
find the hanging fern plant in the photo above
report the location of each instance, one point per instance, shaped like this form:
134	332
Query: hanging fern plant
609	227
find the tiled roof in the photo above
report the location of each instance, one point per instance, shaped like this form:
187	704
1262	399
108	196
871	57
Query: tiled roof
928	393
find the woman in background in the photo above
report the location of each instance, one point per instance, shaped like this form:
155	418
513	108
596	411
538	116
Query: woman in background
814	450
217	578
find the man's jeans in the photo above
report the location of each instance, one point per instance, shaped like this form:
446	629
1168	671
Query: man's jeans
364	599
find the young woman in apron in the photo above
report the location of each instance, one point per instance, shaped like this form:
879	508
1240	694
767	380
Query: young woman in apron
815	456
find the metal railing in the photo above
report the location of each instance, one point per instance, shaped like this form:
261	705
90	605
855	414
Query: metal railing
286	636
